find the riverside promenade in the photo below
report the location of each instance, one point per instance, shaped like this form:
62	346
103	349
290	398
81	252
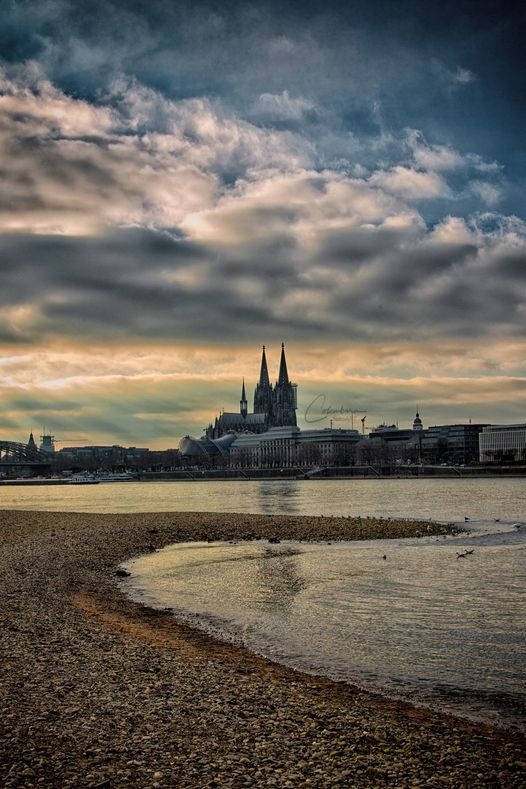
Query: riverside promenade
100	691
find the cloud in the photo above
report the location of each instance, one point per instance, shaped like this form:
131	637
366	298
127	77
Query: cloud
432	157
319	270
224	176
144	216
154	395
283	109
298	205
73	168
488	193
462	76
453	77
68	170
411	184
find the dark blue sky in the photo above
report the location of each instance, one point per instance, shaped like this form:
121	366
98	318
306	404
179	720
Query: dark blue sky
454	71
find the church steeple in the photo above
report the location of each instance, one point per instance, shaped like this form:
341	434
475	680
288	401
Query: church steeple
243	405
264	380
283	377
263	391
284	396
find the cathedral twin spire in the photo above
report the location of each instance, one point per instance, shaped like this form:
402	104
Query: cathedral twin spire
264	380
283	377
278	402
274	406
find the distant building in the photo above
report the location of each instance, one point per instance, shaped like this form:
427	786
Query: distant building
417	423
206	448
47	443
289	447
274	406
502	443
390	445
270	438
451	443
108	457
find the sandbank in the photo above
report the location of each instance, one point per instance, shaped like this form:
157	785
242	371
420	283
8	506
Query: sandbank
100	691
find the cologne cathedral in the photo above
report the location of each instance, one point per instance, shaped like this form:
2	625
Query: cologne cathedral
274	406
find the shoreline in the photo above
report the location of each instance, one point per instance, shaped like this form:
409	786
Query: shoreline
301	475
102	691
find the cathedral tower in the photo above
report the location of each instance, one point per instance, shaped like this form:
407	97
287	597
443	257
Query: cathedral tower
263	391
284	396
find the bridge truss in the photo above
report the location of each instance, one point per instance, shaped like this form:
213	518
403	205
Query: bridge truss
13	453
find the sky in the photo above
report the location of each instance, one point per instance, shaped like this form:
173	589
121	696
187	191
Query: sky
183	182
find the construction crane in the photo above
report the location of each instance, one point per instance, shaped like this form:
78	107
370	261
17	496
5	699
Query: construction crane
357	411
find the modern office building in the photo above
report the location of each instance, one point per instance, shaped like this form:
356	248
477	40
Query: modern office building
451	443
502	443
390	445
290	447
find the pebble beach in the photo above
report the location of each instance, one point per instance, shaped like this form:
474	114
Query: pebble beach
101	691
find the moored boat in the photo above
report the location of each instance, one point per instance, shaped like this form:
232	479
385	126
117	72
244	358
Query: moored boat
83	479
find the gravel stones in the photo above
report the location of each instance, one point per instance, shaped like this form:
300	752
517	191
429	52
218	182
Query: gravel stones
99	691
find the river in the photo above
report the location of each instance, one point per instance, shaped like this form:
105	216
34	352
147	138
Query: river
436	499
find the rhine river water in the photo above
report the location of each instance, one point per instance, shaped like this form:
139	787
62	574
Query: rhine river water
421	624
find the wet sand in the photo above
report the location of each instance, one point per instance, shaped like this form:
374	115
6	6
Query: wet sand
100	691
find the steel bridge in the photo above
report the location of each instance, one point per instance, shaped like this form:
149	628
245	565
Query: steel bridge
13	453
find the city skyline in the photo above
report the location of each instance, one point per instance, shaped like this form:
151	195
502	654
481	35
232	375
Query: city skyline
319	412
185	183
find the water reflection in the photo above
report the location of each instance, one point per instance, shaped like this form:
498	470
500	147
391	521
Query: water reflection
277	582
275	496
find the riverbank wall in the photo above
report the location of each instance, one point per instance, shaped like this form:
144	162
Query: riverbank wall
318	472
340	472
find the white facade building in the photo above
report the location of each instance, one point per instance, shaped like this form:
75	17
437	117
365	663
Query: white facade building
502	442
287	447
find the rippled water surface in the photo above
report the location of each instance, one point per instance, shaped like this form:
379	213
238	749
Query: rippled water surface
421	624
443	499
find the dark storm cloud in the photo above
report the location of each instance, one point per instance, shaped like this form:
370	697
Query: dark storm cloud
134	284
318	172
357	245
334	69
